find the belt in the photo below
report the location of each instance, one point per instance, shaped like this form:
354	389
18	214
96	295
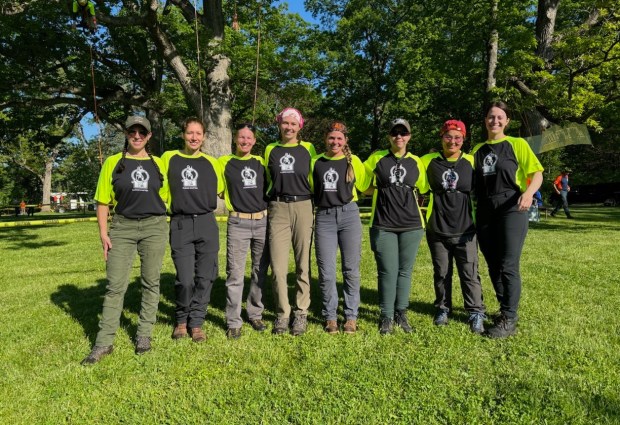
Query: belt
249	216
291	198
189	215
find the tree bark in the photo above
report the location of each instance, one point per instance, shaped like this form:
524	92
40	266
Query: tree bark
46	180
545	26
492	49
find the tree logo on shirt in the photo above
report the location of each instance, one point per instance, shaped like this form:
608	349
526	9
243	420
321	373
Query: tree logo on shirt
248	176
449	179
287	163
189	177
140	179
488	164
330	179
397	174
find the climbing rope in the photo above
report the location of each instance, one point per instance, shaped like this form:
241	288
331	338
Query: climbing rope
198	56
257	65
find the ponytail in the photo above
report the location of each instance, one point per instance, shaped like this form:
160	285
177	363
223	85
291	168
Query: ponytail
350	172
121	165
148	151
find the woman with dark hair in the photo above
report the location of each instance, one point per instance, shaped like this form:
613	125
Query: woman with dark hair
290	218
336	177
244	193
195	180
450	229
133	183
396	224
503	165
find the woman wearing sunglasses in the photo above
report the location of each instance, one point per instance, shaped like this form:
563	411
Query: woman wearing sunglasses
396	224
450	230
336	177
132	182
195	181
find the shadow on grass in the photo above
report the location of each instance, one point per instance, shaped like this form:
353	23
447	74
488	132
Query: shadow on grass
21	238
85	304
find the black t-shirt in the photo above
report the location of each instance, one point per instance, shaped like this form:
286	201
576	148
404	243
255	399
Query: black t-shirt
289	168
450	212
245	184
330	186
496	167
136	189
193	182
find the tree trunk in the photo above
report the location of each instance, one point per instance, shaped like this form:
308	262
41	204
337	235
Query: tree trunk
492	49
545	25
46	180
157	128
217	117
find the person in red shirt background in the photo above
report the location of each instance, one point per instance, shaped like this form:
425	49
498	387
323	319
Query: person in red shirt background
561	187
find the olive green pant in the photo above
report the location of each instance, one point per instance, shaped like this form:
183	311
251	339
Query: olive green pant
147	236
290	223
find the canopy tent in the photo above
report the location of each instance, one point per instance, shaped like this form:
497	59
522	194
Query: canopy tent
557	137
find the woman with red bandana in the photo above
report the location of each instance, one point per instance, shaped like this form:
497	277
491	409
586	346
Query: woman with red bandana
450	230
503	165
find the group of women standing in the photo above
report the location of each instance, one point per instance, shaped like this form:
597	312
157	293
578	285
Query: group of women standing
271	203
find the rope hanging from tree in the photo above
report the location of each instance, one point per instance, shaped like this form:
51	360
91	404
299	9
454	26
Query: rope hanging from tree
257	64
198	57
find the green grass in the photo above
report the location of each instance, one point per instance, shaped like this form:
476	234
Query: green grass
562	367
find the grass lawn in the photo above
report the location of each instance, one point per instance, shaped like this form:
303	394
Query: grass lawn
562	367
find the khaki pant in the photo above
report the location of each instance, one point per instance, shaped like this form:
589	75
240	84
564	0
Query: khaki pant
290	223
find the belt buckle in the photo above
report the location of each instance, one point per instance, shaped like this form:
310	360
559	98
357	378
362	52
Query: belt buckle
290	198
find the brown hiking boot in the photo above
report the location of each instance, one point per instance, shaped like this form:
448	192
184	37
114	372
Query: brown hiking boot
97	354
198	335
331	327
180	331
350	326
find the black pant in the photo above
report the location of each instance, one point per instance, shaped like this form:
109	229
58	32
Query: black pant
501	229
194	242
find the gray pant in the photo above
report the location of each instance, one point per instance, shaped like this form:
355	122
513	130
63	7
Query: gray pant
245	235
147	236
290	222
464	250
195	242
339	227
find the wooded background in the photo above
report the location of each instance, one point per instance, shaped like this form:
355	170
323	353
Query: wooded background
367	62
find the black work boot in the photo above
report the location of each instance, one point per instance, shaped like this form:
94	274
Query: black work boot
503	327
386	326
400	317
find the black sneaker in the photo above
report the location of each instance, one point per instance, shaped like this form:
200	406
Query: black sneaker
143	344
502	328
300	323
441	318
258	325
96	354
386	326
233	333
280	326
476	322
401	320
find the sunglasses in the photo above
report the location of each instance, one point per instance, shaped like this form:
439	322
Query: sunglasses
134	131
396	133
245	125
452	138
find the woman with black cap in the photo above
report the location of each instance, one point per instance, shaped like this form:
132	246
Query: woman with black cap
396	224
132	182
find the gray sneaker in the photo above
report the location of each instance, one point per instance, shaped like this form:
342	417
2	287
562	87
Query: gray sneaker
300	323
280	326
476	322
441	318
143	344
96	354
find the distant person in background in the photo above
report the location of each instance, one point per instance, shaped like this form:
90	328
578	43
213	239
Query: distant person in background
85	10
502	166
22	207
450	232
133	182
561	187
